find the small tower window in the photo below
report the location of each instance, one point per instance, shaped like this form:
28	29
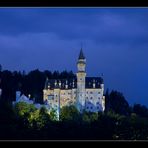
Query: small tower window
97	103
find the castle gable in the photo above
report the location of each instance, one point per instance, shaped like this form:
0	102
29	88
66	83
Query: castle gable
72	83
61	83
86	93
90	81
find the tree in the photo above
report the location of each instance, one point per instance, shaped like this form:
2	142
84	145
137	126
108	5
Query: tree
56	74
85	117
7	85
117	103
140	110
33	118
69	113
22	108
44	118
89	117
107	102
53	115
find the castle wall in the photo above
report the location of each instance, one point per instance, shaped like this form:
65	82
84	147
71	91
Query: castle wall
93	100
59	97
83	96
67	97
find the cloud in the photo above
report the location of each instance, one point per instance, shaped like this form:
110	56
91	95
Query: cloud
115	42
75	23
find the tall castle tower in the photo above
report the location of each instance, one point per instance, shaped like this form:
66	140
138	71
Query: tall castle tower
81	74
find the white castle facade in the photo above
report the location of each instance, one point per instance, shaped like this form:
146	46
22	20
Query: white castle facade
86	93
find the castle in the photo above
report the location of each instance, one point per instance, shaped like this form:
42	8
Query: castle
86	93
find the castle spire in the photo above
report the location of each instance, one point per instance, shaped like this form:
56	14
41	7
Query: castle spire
81	55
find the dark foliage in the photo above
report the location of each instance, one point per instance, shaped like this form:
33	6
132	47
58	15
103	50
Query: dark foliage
31	83
140	110
119	121
116	102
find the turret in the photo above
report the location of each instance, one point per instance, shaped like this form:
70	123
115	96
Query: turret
55	83
60	84
81	62
94	84
81	74
66	85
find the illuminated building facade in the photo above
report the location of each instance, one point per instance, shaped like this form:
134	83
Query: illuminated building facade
86	93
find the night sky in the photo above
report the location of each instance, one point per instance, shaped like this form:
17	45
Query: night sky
114	40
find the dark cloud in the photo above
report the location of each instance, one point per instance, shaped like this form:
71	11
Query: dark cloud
115	42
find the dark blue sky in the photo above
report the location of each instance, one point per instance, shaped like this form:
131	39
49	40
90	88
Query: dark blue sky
115	42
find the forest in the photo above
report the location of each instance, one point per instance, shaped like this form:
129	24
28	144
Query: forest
120	121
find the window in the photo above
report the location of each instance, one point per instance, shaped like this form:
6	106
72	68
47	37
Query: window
46	102
50	97
91	98
87	107
70	102
97	107
91	107
91	92
99	98
55	106
97	103
98	92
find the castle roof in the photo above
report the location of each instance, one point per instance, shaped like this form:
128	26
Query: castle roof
72	83
89	81
81	55
60	83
